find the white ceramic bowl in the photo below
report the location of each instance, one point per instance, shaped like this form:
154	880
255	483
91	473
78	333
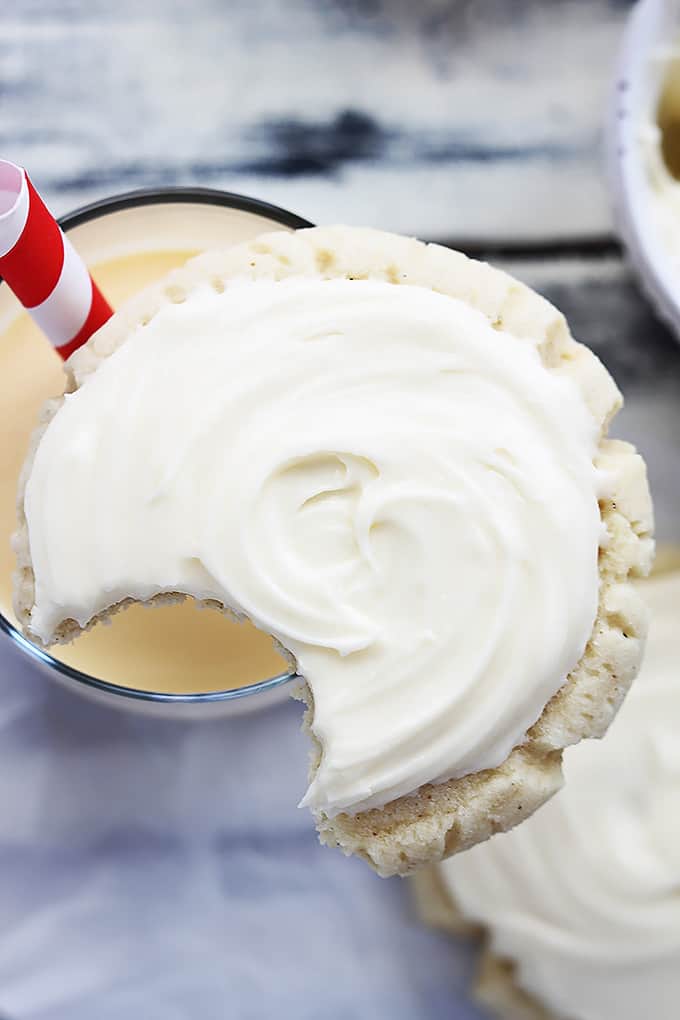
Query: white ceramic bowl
651	27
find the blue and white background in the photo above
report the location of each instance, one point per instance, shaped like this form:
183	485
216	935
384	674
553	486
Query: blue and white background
161	871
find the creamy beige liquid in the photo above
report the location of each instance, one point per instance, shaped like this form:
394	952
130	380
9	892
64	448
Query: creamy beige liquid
173	649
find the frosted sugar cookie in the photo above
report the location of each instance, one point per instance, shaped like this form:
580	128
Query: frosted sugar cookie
392	459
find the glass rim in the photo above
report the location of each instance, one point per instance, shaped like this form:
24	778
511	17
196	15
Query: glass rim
95	210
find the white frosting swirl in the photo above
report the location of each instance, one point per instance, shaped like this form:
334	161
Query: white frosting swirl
404	496
663	192
585	895
663	189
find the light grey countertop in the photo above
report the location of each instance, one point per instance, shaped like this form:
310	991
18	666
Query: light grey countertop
463	119
161	871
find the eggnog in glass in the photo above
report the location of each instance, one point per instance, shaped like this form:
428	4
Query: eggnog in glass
171	658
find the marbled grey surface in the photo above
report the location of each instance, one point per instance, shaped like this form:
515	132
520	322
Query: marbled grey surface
156	870
455	119
161	871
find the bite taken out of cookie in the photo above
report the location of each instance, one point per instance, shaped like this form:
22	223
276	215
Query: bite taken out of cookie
394	460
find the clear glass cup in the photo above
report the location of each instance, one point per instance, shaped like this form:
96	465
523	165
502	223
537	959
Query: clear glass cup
168	219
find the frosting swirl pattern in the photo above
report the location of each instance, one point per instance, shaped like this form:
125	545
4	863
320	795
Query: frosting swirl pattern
585	896
402	495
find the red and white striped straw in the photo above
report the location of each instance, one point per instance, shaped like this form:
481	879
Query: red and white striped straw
42	267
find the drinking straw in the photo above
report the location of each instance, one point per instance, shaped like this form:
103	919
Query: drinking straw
43	269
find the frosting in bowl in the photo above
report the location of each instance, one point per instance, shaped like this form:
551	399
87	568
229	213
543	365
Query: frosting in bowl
584	897
401	494
659	136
